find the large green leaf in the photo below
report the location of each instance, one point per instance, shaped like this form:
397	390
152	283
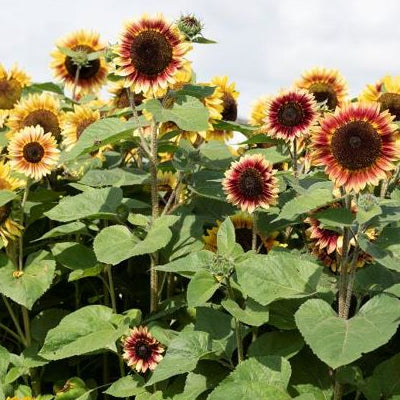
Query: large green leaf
89	204
74	255
255	378
63	230
201	287
127	386
6	196
116	243
187	112
253	314
226	241
182	355
114	177
278	275
83	331
37	277
337	341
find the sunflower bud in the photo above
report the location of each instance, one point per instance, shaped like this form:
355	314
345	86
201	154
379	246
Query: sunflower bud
189	25
367	201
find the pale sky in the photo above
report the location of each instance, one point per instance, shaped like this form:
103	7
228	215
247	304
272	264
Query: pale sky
262	45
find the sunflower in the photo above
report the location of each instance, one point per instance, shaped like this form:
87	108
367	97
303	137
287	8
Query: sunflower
20	398
11	85
141	350
387	93
9	229
250	183
119	96
151	55
92	75
32	152
290	114
327	85
258	111
75	123
243	224
356	144
228	94
43	110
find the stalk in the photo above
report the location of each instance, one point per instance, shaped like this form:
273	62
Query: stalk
254	233
78	70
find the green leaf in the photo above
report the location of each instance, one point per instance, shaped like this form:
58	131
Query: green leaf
335	217
116	177
256	378
364	216
127	386
337	341
234	126
253	314
202	40
209	184
215	155
201	287
37	277
187	112
94	203
284	344
278	275
199	91
4	361
395	290
45	87
74	255
83	331
6	196
226	241
272	154
63	230
182	355
116	243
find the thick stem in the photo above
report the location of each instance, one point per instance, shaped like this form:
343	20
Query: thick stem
254	233
294	160
78	70
238	332
111	288
22	220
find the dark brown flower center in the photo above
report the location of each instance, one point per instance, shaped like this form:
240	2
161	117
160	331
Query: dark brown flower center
46	119
87	71
151	53
5	212
251	183
324	93
143	350
229	112
356	145
33	152
291	114
82	126
10	93
244	237
391	102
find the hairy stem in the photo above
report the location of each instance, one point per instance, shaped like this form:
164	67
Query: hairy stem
294	160
78	70
254	233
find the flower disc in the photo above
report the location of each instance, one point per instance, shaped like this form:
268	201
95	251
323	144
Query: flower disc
357	145
11	85
250	183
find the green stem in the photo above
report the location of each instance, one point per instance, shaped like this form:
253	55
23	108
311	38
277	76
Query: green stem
22	220
111	288
15	320
78	70
254	233
239	341
12	333
294	160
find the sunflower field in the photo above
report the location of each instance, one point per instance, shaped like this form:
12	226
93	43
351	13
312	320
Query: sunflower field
154	246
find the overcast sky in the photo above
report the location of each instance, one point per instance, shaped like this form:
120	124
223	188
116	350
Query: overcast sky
263	45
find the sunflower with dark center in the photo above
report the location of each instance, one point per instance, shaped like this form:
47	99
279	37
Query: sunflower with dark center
356	145
141	350
326	85
387	93
151	55
11	85
75	122
42	110
92	74
32	152
290	114
250	183
243	224
120	96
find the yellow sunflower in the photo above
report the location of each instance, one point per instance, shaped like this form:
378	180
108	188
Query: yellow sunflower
32	152
229	96
9	229
75	123
327	85
150	55
387	93
258	111
11	85
92	75
36	109
243	224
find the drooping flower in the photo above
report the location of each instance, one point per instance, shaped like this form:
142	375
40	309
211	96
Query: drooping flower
11	85
92	74
75	123
33	152
141	350
42	110
387	93
243	224
290	114
151	55
356	145
326	85
119	96
250	183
